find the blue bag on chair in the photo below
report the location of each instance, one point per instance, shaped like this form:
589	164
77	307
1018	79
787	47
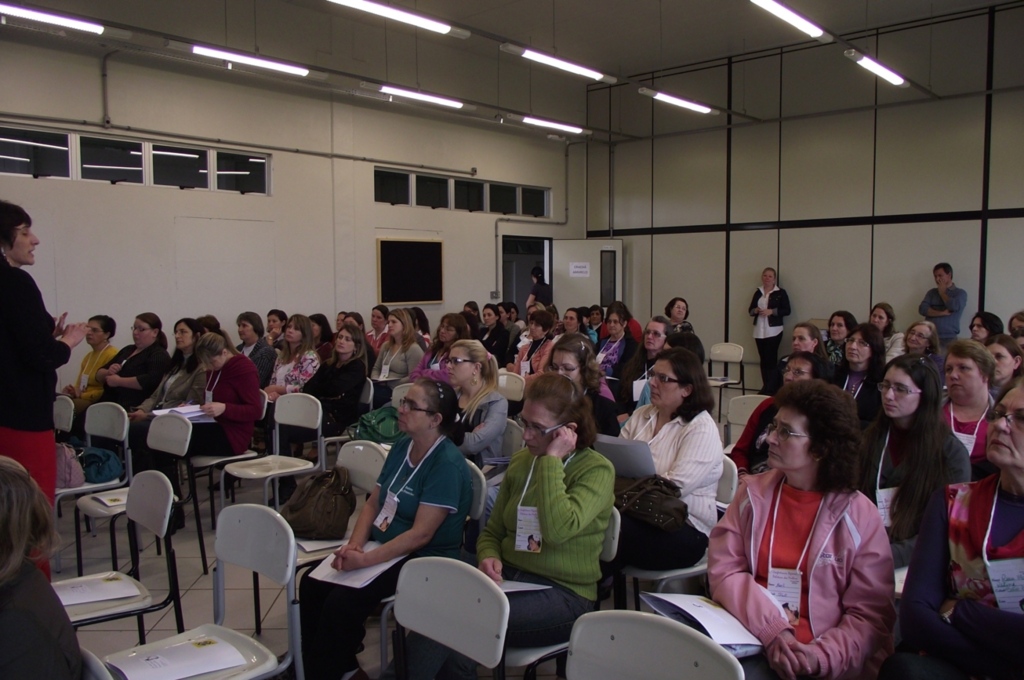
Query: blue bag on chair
100	465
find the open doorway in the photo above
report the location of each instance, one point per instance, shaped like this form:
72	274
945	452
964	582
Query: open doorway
519	255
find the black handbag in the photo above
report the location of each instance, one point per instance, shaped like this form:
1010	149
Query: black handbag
653	499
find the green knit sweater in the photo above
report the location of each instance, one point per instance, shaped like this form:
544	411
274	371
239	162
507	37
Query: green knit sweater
573	505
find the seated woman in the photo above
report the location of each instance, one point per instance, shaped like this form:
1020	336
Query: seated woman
254	345
985	324
323	338
137	369
923	338
533	357
483	411
615	350
183	383
571	321
637	371
883	317
862	369
357	319
276	320
297	362
36	636
840	325
801	537
908	452
573	357
595	328
1015	323
379	333
750	453
417	509
631	325
959	618
806	338
419	319
687	449
87	390
678	311
970	370
494	336
397	357
547	528
211	324
434	364
1009	358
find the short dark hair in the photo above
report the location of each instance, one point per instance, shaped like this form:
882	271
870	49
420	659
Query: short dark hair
596	308
992	323
472	305
687	340
383	309
357	318
254	320
543	318
619	308
944	266
107	324
849	320
689	371
493	307
279	314
326	334
672	303
560	396
11	217
833	427
820	368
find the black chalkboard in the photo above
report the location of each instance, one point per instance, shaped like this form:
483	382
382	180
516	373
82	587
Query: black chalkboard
409	272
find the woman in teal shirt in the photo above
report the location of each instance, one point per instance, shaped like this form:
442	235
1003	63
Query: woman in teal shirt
418	508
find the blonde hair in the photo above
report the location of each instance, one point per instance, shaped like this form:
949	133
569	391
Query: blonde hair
210	345
26	520
488	371
408	330
301	323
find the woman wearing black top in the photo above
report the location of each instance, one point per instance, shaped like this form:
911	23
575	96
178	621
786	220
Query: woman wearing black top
134	373
541	292
495	336
769	307
862	368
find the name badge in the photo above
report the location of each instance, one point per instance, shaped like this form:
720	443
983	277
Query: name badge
524	368
385	370
638	388
967	440
1007	577
884	498
528	538
387	512
600	357
784	585
208	397
83	382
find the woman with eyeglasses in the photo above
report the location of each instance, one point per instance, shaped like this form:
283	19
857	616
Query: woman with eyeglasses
573	357
558	492
970	370
840	325
801	537
883	317
434	364
636	372
417	508
1009	358
615	350
806	338
861	369
134	372
483	411
750	453
923	338
961	610
909	452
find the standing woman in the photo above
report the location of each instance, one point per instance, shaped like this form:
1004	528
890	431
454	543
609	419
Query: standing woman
883	317
495	335
396	358
862	369
970	370
483	411
434	364
909	453
86	390
541	292
769	307
32	348
1009	358
840	325
298	361
678	311
323	338
134	372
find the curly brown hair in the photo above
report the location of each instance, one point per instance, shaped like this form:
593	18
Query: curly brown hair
833	427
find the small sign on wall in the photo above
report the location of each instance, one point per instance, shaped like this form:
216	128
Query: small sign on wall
579	270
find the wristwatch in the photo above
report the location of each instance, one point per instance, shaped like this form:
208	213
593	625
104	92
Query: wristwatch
947	613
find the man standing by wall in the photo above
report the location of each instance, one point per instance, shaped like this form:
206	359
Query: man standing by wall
944	304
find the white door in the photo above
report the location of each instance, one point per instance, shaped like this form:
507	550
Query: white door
586	272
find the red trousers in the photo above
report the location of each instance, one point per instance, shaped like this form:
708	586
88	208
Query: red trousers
37	452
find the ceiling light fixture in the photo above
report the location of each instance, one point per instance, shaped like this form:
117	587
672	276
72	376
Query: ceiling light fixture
111	167
28	143
548	60
793	19
540	122
876	68
405	17
53	19
413	94
676	101
232	57
15	158
174	153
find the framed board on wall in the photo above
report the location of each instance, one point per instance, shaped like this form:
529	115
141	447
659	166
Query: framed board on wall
409	272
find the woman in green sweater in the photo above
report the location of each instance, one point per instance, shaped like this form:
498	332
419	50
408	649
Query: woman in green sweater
559	493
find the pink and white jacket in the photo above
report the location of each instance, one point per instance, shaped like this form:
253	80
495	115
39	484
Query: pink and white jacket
851	581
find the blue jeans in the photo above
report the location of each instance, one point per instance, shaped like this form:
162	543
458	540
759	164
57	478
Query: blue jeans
536	618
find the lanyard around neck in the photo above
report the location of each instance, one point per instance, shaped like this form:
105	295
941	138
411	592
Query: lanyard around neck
771	540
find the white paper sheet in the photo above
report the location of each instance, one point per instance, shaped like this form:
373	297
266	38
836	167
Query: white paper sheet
195	656
721	626
356	578
520	587
192	412
109	586
901	579
112	499
308	545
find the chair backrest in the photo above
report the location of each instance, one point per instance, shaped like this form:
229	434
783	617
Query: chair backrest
512	386
301	410
169	433
627	644
399	392
364	461
728	482
455	604
150	500
611	536
107	419
728	352
512	439
741	407
476	476
264	400
63	413
93	668
258	539
366	397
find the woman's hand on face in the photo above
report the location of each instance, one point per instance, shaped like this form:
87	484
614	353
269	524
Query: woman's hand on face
491	567
563	442
214	409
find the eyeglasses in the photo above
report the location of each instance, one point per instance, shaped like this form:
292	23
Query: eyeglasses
562	368
796	372
459	360
405	404
1013	420
653	333
858	342
537	430
140	329
664	379
919	336
900	389
784	432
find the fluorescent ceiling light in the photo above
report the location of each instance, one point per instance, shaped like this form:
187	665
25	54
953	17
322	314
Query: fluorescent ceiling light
876	68
28	143
548	60
233	172
137	153
257	160
111	167
14	158
793	19
249	61
174	153
540	122
405	17
676	101
412	94
47	18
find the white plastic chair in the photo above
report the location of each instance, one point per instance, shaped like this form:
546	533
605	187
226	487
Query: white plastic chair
63	413
93	668
257	538
455	604
512	439
740	409
726	353
110	421
149	506
512	386
399	392
623	644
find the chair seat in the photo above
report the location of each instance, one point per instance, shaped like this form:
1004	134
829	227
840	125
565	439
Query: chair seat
88	488
267	466
524	656
88	610
259	659
209	461
718	383
669	574
91	506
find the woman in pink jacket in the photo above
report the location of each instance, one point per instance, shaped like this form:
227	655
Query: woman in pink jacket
801	558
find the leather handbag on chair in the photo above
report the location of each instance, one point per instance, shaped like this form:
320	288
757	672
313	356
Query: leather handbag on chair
653	499
321	506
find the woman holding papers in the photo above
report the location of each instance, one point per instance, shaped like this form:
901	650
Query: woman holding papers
418	508
185	378
801	535
960	612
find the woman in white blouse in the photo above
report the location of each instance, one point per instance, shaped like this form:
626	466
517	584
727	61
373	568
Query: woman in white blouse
687	449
